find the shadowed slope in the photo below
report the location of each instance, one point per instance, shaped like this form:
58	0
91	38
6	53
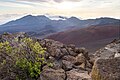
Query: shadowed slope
92	37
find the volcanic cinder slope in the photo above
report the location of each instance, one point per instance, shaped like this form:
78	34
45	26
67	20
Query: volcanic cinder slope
93	37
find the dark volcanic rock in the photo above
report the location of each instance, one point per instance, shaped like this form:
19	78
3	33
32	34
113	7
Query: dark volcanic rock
54	48
51	74
69	58
67	61
110	51
73	61
67	65
107	62
76	74
56	64
106	69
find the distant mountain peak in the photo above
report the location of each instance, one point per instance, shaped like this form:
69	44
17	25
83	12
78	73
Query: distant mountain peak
32	23
43	17
28	16
74	18
31	16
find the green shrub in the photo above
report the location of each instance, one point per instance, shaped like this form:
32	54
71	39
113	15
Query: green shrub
25	59
32	60
31	69
5	47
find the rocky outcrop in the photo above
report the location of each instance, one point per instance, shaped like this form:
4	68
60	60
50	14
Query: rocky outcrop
107	62
51	74
112	50
106	69
76	74
65	53
67	61
74	62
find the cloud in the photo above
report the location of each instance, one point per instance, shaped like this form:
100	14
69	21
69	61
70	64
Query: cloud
35	0
15	4
58	1
66	0
8	17
9	9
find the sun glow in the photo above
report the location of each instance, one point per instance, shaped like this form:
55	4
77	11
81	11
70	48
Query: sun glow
66	5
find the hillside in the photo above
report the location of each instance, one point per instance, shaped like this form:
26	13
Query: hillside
41	26
26	58
93	37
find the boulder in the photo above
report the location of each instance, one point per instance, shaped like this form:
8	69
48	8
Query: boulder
67	65
54	48
51	74
72	53
111	50
81	61
79	50
106	69
71	46
57	64
64	50
76	74
69	58
81	58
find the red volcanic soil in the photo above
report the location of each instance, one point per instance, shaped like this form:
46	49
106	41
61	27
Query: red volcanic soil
93	37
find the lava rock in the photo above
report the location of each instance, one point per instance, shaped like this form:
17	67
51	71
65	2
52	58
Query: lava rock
106	69
51	74
76	74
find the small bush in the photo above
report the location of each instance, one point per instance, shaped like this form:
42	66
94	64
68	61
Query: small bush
5	47
32	61
25	59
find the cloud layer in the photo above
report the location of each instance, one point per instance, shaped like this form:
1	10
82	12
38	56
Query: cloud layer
80	8
58	1
67	0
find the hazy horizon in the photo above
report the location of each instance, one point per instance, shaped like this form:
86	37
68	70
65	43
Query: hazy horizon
83	9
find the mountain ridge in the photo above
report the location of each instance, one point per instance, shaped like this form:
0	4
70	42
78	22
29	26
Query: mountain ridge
37	24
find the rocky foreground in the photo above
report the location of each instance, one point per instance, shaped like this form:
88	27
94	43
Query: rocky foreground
67	61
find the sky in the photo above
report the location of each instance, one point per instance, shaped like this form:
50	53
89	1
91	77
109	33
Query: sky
84	9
